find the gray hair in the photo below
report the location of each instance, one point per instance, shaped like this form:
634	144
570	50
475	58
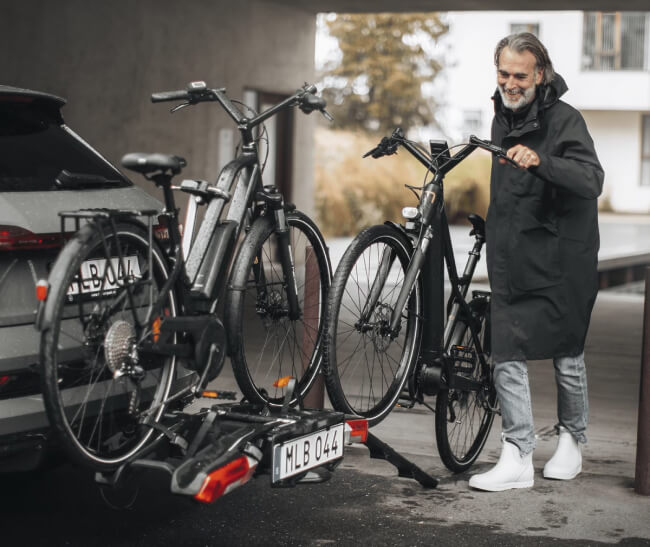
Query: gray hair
525	41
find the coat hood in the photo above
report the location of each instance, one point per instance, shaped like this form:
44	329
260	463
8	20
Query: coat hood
549	94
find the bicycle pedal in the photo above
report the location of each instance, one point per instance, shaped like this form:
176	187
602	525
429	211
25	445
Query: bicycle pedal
463	353
228	395
464	359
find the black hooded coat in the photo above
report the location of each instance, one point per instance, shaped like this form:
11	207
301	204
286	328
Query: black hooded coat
542	231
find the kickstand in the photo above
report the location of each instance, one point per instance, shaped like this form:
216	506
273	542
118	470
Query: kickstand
405	468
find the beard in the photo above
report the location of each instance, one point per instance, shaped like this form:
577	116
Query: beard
526	96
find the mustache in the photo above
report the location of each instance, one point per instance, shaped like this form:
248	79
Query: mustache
512	91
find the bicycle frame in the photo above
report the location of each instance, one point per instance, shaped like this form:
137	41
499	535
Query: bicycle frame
431	246
207	254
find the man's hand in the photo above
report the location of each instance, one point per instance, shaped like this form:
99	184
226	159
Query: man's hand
523	156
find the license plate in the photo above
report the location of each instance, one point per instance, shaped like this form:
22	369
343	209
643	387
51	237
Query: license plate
97	278
298	455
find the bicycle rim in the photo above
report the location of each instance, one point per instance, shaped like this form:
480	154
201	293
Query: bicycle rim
367	366
98	384
464	418
269	346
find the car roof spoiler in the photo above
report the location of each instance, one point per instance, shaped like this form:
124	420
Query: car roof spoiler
45	101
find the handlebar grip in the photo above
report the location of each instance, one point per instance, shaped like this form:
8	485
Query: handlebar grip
496	150
163	96
311	102
487	145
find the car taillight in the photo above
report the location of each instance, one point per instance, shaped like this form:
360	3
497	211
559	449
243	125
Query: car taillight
14	238
226	478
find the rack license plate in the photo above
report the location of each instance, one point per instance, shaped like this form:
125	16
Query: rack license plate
97	278
298	455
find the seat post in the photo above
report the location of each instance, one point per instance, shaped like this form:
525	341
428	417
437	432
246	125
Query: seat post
164	181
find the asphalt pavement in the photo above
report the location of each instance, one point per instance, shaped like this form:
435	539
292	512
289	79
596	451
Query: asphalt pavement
366	503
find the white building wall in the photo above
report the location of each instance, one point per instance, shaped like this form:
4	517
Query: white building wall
618	148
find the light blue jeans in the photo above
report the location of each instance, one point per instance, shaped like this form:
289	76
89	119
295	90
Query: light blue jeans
513	389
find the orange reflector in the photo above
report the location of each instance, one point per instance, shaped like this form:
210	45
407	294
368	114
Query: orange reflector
226	478
282	382
356	431
41	290
210	394
155	328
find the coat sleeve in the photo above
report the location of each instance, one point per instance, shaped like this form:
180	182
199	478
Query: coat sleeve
573	165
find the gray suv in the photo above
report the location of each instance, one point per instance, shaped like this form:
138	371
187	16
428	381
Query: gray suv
45	167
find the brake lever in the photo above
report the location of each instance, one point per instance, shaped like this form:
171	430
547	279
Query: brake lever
386	147
327	115
179	106
508	160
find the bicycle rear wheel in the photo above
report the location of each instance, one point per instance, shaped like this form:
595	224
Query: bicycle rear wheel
464	418
101	391
265	343
366	366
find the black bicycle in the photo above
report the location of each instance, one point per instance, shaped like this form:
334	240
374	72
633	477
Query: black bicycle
129	324
385	342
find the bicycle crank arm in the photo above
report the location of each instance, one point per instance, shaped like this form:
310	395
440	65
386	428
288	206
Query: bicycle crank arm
461	383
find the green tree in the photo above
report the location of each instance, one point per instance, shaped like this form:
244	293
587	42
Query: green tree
384	59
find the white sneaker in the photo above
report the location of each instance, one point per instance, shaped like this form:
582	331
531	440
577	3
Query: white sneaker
566	462
511	471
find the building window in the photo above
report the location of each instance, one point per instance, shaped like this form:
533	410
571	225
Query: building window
516	28
614	41
645	151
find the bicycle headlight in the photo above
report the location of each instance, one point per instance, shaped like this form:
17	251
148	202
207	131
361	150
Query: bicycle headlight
410	212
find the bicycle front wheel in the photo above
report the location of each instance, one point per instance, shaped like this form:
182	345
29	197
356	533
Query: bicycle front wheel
367	366
101	392
265	343
464	417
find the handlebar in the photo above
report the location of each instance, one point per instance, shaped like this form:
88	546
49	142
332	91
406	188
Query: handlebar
389	145
197	92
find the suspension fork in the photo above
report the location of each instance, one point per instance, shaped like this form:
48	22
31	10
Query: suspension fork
287	262
385	264
412	273
275	203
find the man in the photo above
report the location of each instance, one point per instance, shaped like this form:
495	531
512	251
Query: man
542	244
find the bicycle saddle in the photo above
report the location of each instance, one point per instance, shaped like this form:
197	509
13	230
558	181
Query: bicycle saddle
479	225
150	163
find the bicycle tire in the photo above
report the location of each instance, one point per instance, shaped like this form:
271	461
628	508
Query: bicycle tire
96	389
265	345
368	379
464	418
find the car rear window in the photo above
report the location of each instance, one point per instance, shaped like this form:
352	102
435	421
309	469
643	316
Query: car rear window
35	149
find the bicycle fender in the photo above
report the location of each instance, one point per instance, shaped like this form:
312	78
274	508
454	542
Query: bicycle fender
401	230
54	282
